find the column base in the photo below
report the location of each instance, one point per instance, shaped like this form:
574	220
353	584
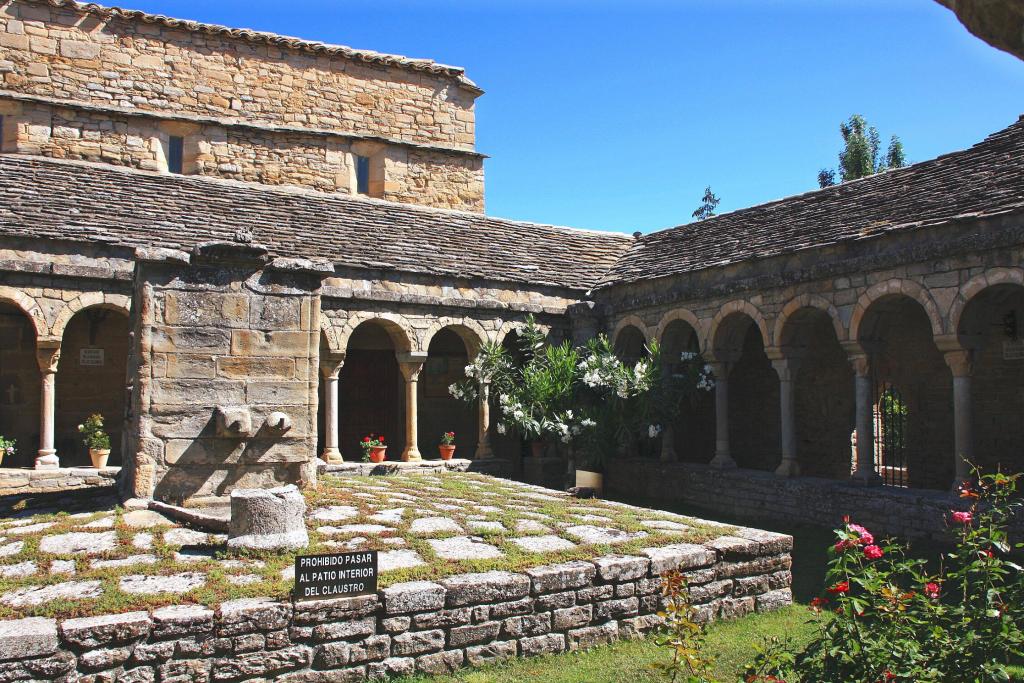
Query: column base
483	451
788	468
866	478
47	460
332	456
723	461
411	455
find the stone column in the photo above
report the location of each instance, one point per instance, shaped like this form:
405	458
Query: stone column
961	362
668	449
865	405
483	444
411	366
47	356
786	368
723	457
330	366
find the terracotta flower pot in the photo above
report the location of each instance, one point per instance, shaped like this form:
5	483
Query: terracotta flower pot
590	480
378	453
99	457
538	448
446	450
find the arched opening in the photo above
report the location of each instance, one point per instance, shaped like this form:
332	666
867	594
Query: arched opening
823	393
754	434
694	429
92	377
19	385
508	445
439	411
629	344
992	325
912	387
370	391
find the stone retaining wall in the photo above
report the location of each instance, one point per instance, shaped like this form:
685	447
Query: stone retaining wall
749	494
431	627
24	481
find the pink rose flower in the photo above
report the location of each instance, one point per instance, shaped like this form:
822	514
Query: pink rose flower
931	589
864	536
873	552
962	517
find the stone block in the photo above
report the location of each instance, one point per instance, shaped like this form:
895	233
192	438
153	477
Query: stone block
594	593
252	615
280	343
769	542
561	577
396	624
750	585
527	625
615	568
242	367
445	618
679	556
710	591
51	667
103	658
461	636
475	589
637	627
279	393
417	642
733	608
440	663
609	609
542	645
517	607
27	638
109	629
332	655
78	49
265	663
414	596
591	636
371	649
556	600
491	653
773	600
734	548
572	617
341	630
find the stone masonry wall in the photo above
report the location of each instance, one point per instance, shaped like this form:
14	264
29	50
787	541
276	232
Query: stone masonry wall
222	344
325	163
429	627
763	496
60	52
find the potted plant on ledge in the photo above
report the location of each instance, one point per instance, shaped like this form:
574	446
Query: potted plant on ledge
374	448
447	445
7	447
96	440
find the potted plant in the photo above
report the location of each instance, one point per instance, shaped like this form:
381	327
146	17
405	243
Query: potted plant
7	447
96	440
374	448
447	445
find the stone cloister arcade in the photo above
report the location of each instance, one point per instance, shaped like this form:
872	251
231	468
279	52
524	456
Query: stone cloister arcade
60	361
805	390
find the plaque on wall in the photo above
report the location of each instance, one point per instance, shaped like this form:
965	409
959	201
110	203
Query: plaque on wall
1013	350
335	575
90	357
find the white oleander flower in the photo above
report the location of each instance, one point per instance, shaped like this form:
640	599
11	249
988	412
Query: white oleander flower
653	431
500	427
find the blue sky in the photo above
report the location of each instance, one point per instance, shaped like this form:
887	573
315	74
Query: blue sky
615	115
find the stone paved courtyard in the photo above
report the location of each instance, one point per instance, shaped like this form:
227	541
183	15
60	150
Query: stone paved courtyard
425	526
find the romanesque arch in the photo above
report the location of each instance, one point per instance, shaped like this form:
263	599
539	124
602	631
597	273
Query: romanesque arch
19	378
896	323
979	283
449	350
96	300
692	433
28	306
805	301
395	326
682	315
472	333
629	339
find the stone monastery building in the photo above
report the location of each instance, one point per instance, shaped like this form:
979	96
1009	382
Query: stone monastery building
256	249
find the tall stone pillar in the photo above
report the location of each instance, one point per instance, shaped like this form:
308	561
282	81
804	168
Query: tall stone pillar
47	356
411	365
865	405
483	444
723	456
786	368
961	362
330	366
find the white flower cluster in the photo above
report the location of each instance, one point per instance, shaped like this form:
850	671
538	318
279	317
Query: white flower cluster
653	431
605	371
462	392
704	379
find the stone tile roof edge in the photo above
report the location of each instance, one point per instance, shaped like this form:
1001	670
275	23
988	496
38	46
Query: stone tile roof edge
415	64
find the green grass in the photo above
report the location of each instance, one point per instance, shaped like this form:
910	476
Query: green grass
732	644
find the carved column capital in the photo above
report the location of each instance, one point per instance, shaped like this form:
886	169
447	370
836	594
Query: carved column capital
331	364
961	362
411	364
48	356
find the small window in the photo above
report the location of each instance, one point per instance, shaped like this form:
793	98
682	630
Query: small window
176	154
363	175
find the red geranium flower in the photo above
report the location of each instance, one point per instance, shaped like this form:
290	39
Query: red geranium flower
841	587
381	438
366	439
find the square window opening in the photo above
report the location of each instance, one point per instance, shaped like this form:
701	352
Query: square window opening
362	175
176	154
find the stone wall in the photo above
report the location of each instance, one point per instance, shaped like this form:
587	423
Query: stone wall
428	627
19	482
422	176
225	345
764	497
148	65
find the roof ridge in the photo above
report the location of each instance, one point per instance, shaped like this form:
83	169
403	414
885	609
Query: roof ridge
457	73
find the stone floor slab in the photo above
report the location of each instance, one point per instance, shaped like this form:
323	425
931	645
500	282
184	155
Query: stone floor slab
596	535
543	544
424	526
138	584
464	548
389	560
69	590
79	543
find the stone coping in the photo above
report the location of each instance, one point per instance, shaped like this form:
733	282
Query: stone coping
15	480
365	469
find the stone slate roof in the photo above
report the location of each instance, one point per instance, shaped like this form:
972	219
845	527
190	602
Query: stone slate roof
287	42
71	200
984	180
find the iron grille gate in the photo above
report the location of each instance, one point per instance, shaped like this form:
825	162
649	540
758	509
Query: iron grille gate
890	414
